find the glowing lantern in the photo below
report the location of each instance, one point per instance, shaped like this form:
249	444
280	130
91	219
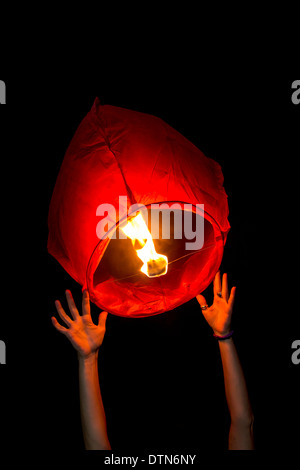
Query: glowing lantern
119	159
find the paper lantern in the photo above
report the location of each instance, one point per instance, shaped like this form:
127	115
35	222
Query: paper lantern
117	158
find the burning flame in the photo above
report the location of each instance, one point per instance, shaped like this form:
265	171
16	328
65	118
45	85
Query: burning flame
154	264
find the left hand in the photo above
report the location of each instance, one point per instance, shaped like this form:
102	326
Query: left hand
218	316
85	336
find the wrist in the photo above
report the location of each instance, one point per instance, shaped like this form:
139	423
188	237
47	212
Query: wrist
224	332
88	358
225	341
224	337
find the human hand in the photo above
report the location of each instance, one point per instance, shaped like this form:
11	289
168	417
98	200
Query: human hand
85	336
218	316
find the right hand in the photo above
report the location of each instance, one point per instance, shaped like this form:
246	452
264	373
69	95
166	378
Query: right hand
85	336
218	315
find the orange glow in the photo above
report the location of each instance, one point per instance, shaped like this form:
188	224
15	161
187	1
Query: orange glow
154	264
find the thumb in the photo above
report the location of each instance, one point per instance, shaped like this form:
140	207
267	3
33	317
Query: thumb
102	318
201	300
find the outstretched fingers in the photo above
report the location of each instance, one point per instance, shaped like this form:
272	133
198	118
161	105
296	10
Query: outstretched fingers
60	328
62	313
102	319
86	308
231	297
201	300
225	294
71	304
217	284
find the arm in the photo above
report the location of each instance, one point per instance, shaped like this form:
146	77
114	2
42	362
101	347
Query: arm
241	427
218	317
91	406
86	337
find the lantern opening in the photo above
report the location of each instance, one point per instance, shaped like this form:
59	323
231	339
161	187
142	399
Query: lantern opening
115	278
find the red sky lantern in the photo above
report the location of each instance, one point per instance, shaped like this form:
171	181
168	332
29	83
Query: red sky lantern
119	158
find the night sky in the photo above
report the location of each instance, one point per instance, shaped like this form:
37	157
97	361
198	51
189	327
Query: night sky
161	377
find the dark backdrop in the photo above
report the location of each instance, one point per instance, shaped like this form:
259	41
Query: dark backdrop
161	377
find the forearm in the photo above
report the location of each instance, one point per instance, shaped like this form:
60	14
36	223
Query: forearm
240	435
91	406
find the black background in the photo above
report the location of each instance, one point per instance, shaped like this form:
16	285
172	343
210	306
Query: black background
161	377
